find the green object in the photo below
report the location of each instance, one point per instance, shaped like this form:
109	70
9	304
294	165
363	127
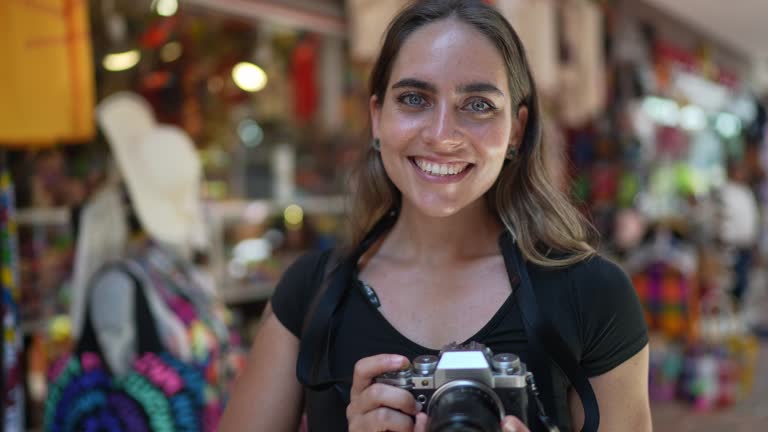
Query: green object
629	186
581	188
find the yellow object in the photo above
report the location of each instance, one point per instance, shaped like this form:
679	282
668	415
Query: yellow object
46	72
60	328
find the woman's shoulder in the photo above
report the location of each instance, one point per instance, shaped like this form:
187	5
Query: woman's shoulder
309	261
593	271
594	282
594	286
298	286
598	269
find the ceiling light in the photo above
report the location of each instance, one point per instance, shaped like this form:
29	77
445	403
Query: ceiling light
166	8
249	77
121	61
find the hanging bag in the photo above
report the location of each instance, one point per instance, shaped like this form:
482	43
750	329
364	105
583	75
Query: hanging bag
158	393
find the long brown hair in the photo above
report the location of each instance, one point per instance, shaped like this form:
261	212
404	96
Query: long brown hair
525	200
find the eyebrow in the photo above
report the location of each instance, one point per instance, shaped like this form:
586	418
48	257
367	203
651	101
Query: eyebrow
480	87
475	87
415	83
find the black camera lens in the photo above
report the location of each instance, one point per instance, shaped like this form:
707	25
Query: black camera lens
464	408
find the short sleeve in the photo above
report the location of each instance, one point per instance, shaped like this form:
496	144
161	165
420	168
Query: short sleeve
612	323
296	288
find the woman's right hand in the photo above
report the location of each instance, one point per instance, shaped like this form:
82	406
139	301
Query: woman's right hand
513	424
375	407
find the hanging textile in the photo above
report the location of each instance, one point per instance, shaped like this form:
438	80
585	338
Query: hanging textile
158	393
46	76
535	21
190	337
367	23
12	413
582	92
303	73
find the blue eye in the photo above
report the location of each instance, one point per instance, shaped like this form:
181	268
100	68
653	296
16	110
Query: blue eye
412	99
479	105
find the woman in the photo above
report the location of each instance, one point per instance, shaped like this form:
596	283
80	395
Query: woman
456	162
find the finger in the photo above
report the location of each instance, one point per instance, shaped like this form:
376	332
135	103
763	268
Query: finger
368	368
384	395
421	423
513	424
382	419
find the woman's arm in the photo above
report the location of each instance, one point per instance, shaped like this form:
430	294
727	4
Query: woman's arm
267	396
622	395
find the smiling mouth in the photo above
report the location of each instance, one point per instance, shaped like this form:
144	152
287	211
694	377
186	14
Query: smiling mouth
440	170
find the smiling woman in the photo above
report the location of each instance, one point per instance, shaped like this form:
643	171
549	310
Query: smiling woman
458	235
438	113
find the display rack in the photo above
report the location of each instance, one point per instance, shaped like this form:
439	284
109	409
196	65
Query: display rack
225	214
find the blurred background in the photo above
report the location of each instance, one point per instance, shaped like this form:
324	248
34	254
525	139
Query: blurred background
655	123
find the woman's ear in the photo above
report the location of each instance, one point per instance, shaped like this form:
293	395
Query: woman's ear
519	128
375	111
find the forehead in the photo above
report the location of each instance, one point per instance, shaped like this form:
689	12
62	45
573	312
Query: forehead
449	51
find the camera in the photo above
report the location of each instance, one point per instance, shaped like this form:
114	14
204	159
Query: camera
466	387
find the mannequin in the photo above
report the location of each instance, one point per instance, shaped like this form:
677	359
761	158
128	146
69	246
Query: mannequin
161	173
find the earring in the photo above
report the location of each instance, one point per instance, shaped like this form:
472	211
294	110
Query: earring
376	144
511	152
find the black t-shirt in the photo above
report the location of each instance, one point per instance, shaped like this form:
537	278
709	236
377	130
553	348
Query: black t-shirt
592	303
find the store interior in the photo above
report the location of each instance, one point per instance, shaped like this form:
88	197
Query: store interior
256	110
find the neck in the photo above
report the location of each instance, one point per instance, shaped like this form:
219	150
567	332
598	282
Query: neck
471	233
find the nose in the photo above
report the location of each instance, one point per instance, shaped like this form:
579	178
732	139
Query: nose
443	128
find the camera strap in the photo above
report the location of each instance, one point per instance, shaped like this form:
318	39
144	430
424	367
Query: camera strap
544	339
313	365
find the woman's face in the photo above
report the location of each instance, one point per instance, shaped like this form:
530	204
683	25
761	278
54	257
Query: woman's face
446	122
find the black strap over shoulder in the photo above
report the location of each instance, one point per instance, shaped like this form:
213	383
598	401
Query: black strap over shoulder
312	367
545	340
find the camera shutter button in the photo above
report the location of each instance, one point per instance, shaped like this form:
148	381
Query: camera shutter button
506	363
425	364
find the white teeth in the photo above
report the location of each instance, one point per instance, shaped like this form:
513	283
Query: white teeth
440	169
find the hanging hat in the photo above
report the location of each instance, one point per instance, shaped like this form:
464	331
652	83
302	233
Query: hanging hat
159	165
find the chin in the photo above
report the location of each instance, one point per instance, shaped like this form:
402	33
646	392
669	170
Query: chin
438	213
438	208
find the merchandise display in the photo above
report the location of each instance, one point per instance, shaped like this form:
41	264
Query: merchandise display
669	178
212	149
12	348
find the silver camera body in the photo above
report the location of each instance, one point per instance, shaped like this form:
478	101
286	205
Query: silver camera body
466	388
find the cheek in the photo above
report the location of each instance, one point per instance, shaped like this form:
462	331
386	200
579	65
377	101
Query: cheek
493	142
396	130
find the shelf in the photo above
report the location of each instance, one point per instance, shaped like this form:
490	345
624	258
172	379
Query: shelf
57	216
244	292
31	326
235	209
